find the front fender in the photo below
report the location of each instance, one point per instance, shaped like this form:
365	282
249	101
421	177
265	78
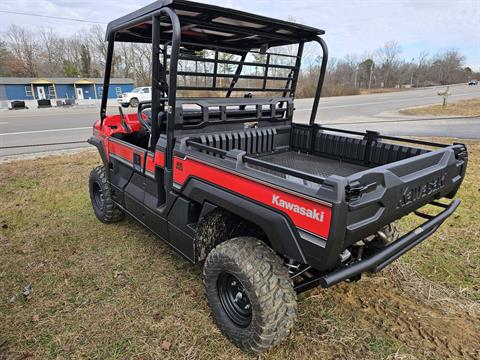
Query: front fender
99	145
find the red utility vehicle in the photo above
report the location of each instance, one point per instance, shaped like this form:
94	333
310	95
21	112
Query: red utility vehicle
271	207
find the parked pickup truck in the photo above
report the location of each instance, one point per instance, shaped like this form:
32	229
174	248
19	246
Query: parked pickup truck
213	165
134	97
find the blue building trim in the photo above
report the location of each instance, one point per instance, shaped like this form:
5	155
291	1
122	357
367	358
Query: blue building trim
63	91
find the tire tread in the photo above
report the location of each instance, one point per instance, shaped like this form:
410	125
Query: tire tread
112	213
272	286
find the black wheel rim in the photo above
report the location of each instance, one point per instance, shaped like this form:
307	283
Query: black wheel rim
97	196
234	299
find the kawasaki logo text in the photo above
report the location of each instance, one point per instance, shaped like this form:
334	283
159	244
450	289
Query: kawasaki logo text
410	195
301	210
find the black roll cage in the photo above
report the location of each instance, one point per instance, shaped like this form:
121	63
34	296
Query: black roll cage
158	105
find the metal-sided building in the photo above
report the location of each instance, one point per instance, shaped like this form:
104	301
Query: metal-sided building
19	88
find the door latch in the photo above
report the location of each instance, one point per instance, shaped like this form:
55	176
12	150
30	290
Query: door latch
137	165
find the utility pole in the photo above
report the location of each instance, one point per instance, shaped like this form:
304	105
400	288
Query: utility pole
413	70
370	76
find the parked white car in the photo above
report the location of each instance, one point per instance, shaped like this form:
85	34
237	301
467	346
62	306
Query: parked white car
134	97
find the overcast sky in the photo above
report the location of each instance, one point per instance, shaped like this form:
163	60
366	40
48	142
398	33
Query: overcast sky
352	27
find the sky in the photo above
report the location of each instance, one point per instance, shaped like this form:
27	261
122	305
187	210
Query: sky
352	26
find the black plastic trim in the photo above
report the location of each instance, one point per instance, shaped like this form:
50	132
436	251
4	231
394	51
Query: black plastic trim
387	255
280	232
98	144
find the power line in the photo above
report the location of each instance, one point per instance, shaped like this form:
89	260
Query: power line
52	17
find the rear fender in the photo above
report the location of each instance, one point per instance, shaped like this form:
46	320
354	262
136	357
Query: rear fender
278	229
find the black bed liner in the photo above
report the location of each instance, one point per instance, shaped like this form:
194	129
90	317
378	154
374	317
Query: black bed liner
313	164
305	154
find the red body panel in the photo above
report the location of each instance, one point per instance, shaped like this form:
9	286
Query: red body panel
304	213
157	160
124	151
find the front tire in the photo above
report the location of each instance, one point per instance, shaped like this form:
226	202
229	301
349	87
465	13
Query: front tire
250	293
101	197
134	102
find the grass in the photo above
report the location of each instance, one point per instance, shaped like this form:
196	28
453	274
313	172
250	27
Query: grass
459	108
116	292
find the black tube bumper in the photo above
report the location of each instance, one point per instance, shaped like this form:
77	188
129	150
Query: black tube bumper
388	254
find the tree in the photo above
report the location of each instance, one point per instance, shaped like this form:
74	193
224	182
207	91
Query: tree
389	55
259	59
24	48
69	69
421	72
52	53
3	58
447	67
46	53
85	61
468	72
365	70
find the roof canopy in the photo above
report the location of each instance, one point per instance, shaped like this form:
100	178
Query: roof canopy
209	26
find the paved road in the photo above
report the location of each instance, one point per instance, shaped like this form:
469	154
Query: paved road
375	112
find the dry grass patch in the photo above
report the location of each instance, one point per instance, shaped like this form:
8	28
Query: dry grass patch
381	90
116	292
459	108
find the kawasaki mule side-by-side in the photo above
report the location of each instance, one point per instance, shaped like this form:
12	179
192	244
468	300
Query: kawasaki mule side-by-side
214	166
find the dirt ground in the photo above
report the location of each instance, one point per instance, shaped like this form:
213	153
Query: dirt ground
115	292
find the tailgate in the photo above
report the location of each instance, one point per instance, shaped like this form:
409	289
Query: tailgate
383	194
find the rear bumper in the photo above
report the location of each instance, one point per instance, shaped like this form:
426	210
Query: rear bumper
388	254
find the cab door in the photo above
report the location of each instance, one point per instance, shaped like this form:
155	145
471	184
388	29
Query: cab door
155	195
145	94
127	175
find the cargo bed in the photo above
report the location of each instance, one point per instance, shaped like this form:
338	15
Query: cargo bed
370	180
313	164
311	154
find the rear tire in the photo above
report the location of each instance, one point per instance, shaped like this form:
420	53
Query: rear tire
101	197
250	293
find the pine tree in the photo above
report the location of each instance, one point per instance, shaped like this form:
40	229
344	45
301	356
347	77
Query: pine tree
69	69
85	61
